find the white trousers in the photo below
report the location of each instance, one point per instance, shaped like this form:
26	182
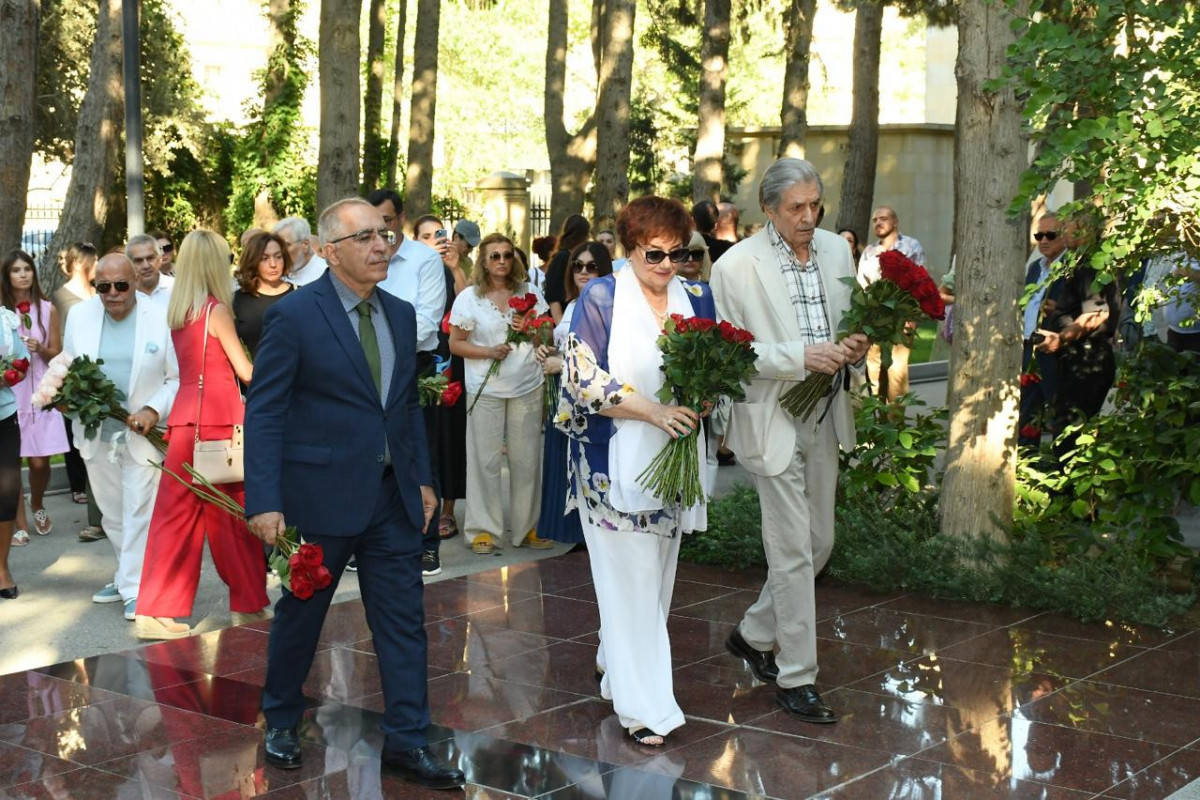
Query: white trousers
797	531
634	576
495	425
125	491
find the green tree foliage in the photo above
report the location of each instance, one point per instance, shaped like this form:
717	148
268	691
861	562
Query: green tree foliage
1113	101
274	173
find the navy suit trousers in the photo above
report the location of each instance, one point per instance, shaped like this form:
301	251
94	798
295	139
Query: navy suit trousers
389	559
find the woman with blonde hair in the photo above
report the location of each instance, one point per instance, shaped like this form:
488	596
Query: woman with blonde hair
207	407
506	423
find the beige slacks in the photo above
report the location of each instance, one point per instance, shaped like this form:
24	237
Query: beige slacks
897	374
496	422
797	531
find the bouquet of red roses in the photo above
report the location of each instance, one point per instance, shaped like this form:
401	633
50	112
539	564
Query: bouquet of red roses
881	312
300	565
438	390
703	360
13	369
527	327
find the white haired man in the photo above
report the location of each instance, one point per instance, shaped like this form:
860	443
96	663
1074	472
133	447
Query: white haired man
784	283
146	255
307	265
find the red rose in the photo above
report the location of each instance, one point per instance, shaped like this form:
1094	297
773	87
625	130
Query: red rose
523	305
321	579
680	323
12	377
446	324
726	330
23	306
302	586
1030	432
296	563
1029	379
311	555
21	364
1122	384
451	393
744	336
702	324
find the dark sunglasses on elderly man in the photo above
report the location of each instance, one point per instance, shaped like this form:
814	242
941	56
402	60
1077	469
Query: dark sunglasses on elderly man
1049	236
590	267
104	287
679	255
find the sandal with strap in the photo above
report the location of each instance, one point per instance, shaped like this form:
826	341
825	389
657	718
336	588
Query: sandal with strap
41	522
647	737
482	545
20	538
79	498
532	540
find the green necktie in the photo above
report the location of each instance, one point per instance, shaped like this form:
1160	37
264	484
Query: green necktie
370	343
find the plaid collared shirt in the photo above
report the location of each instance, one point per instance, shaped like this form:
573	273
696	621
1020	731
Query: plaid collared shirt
805	288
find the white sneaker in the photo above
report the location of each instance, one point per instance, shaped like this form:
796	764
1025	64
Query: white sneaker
131	609
108	594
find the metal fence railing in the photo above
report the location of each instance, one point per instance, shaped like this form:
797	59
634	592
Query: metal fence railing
40	224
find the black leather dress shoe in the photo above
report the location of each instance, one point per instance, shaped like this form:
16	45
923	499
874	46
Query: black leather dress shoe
803	702
11	593
762	662
282	747
421	766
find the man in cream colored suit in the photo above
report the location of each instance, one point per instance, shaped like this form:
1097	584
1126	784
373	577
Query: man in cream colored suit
131	335
784	285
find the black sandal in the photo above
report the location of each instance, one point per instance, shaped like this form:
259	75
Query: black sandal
643	735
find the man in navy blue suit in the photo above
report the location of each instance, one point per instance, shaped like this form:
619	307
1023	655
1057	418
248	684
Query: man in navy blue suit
335	445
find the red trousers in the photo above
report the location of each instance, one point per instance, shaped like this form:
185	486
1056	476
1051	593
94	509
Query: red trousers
175	544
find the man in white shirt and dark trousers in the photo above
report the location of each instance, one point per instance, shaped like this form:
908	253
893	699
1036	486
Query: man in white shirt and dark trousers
417	275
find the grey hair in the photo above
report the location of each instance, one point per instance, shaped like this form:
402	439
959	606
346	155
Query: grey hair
329	223
781	176
296	226
142	238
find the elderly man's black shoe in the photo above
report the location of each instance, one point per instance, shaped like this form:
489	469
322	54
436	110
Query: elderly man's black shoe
282	747
421	766
803	702
761	662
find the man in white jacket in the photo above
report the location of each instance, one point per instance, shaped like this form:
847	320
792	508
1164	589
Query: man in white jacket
784	285
130	335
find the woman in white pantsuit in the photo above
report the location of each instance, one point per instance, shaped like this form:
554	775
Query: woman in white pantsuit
611	374
505	426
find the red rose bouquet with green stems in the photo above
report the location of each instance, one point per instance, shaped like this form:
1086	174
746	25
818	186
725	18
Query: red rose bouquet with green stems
13	369
300	565
438	390
882	312
527	328
703	361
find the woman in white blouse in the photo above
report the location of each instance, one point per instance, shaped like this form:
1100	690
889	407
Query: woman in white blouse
506	424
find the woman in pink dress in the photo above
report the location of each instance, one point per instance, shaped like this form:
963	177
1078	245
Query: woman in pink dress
42	432
206	343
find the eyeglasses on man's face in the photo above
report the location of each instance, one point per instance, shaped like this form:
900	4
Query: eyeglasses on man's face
590	267
367	235
1049	236
104	287
679	255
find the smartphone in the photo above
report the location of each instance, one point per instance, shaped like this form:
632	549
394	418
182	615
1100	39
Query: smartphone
440	233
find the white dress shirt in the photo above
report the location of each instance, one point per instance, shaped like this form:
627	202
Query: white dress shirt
416	275
162	292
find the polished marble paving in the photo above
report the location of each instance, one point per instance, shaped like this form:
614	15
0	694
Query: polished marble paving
938	700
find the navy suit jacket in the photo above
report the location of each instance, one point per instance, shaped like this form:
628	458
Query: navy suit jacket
315	427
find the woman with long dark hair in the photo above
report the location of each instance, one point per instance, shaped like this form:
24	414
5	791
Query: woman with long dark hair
42	431
575	230
12	347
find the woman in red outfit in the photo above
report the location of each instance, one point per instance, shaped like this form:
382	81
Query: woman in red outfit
181	519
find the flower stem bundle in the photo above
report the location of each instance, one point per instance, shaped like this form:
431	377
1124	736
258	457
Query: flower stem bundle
703	361
527	328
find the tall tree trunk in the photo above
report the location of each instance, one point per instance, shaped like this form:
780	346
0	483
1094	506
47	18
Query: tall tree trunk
858	181
338	51
418	192
372	164
393	148
709	162
793	118
612	110
979	488
18	101
572	156
97	141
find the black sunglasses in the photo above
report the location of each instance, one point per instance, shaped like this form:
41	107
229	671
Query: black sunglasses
590	267
679	255
104	287
696	255
168	248
1049	236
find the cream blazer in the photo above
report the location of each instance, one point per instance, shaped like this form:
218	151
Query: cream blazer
751	292
154	380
